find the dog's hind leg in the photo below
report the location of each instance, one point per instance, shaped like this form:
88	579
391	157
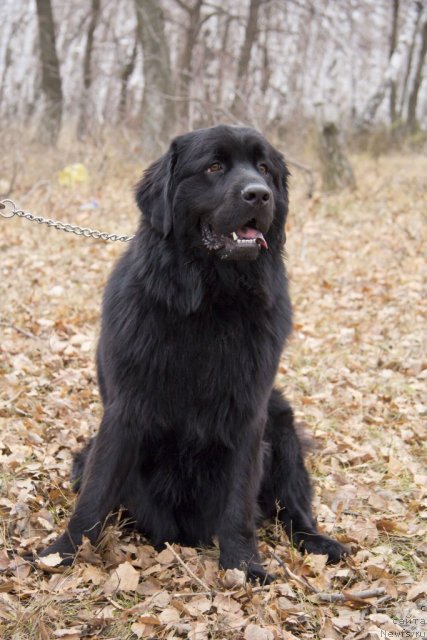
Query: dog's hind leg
286	489
79	464
110	459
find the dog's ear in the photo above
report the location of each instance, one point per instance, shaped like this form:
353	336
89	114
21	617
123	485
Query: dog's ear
282	204
154	193
284	174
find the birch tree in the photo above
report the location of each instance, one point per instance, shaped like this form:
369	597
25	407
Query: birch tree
392	71
87	68
263	62
411	121
185	76
50	74
251	30
393	42
157	103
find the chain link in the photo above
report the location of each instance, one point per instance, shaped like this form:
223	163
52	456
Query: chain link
8	209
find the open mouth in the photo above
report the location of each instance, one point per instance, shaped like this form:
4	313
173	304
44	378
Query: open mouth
242	244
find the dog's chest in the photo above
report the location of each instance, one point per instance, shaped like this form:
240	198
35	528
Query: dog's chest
213	368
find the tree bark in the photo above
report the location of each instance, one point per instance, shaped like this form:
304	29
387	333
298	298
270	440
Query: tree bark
391	73
411	121
51	76
223	59
85	111
186	59
7	64
266	68
127	71
335	168
238	107
404	93
393	43
157	102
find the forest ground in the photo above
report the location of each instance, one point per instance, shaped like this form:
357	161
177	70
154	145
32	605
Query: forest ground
355	370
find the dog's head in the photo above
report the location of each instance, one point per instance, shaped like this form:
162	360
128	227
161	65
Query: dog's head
222	191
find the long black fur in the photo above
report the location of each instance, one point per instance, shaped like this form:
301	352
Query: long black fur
194	441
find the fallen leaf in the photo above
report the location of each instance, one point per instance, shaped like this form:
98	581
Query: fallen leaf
255	632
138	629
234	578
51	560
68	634
123	578
417	590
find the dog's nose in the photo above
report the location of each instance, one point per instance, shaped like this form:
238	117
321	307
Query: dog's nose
257	195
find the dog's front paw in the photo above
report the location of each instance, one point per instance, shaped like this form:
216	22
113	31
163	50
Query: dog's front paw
253	569
320	544
62	546
255	572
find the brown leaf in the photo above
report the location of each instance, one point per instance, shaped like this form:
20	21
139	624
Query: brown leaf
72	633
165	557
21	568
5	561
152	620
198	605
93	574
168	615
386	524
419	589
87	553
234	578
123	578
255	632
226	604
51	560
138	629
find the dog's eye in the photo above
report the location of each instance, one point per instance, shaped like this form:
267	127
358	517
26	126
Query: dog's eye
262	168
215	166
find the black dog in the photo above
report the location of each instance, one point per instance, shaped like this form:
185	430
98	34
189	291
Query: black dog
194	441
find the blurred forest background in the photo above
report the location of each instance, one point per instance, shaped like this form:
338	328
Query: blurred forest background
161	68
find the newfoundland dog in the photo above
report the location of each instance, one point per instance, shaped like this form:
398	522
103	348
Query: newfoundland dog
195	442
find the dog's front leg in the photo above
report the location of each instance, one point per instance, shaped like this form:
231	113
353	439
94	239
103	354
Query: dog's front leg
237	533
109	461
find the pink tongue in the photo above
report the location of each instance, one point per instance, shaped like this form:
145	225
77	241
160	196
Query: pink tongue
249	233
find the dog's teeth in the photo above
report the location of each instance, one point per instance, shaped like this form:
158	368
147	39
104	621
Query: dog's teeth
245	241
234	236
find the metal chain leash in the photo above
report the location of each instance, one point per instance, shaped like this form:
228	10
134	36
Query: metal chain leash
8	209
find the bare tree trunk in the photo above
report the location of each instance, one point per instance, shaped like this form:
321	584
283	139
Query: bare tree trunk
223	59
411	120
391	73
157	102
8	57
238	106
393	43
335	168
266	69
51	76
86	110
186	59
127	71
404	94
